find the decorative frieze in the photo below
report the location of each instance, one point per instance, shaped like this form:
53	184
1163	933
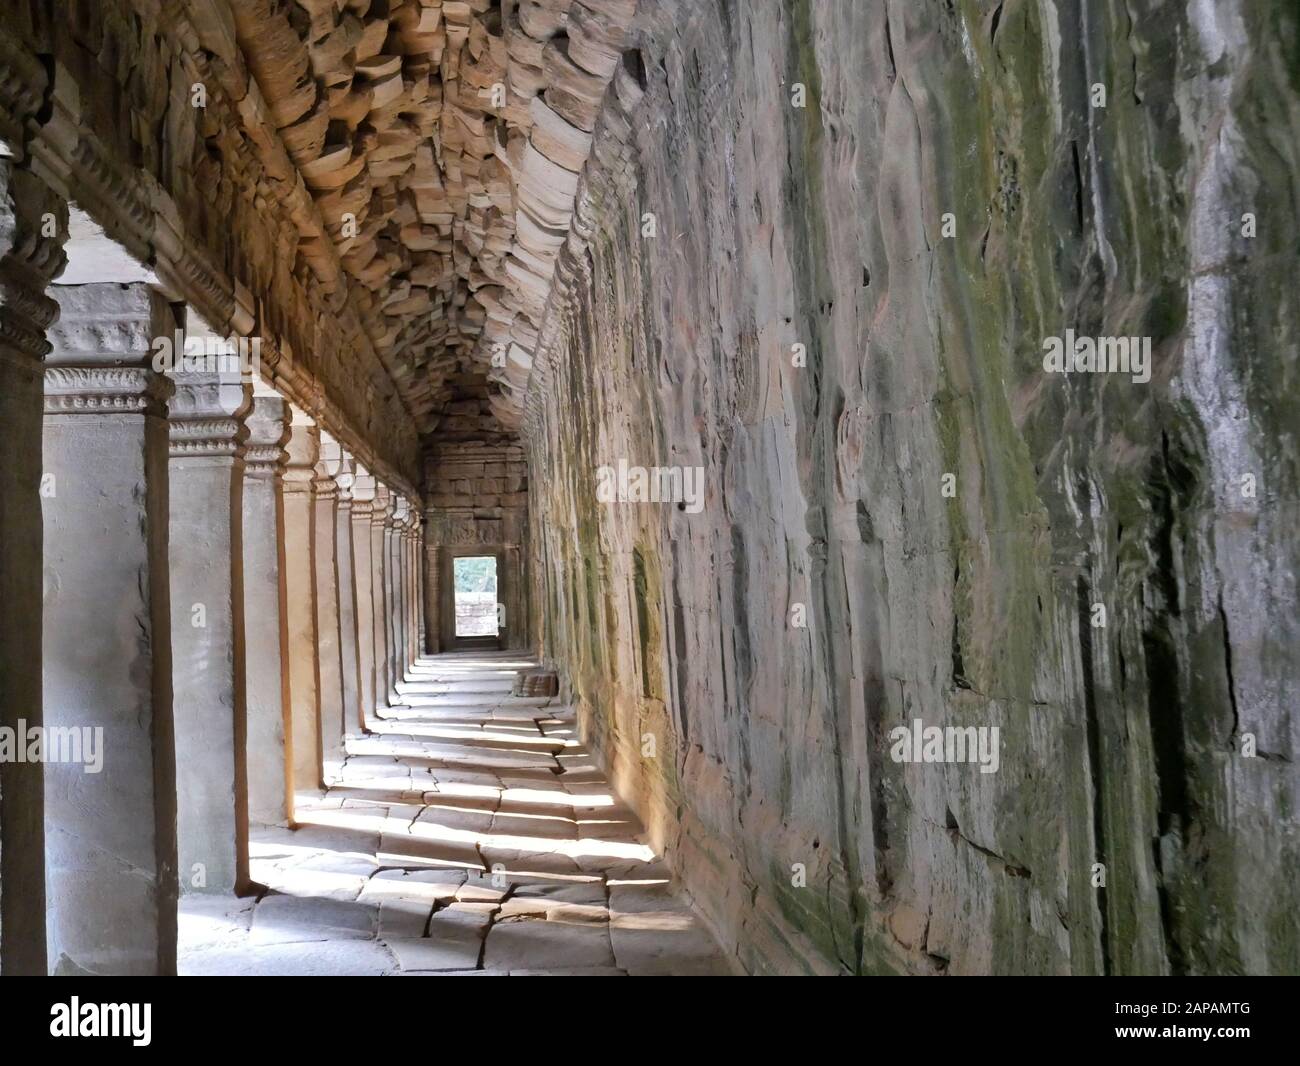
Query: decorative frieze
115	390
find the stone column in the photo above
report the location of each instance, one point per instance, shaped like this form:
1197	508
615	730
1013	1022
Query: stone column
402	617
345	570
408	587
432	577
421	583
111	816
327	606
206	473
393	591
363	503
270	797
379	519
304	741
33	226
413	588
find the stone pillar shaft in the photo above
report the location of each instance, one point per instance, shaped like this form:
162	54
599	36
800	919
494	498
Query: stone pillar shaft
398	606
31	254
325	496
304	741
363	571
379	597
391	584
206	473
110	818
413	591
270	797
345	575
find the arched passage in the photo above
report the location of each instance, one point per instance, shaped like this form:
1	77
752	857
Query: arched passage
879	415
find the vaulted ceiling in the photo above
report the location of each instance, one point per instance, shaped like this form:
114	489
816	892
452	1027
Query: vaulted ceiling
441	141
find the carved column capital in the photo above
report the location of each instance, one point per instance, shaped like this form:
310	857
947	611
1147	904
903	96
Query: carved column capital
104	390
328	464
24	81
401	508
302	451
206	417
363	493
33	227
268	433
382	513
100	355
345	479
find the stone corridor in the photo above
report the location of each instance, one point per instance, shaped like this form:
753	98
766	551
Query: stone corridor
470	832
772	487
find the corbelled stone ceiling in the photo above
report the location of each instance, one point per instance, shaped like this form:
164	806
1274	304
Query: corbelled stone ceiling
441	141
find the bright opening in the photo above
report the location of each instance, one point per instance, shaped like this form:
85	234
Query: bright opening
475	580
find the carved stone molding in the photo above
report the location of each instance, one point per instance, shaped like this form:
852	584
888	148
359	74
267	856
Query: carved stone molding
329	464
33	227
100	351
345	480
74	162
454	529
264	453
205	436
397	517
206	415
46	120
302	451
363	494
108	390
381	513
324	488
263	460
23	82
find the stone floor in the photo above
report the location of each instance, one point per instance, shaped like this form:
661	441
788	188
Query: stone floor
470	834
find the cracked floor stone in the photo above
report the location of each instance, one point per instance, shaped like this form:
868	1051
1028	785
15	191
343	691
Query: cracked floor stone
466	835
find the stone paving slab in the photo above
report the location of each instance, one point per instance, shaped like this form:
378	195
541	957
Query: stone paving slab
544	945
662	952
332	958
279	919
450	846
404	850
404	918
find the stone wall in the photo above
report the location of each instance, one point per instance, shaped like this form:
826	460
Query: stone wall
1108	573
477	497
